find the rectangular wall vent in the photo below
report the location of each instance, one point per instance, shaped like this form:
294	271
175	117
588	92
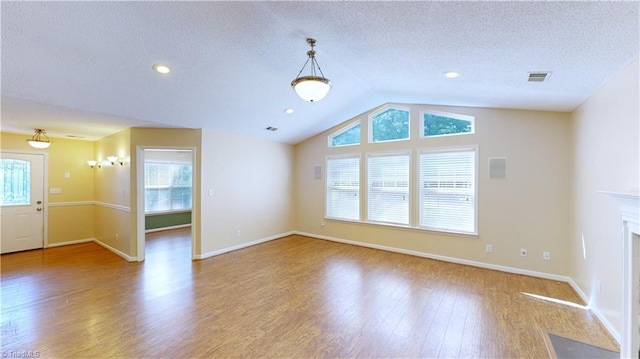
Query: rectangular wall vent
538	76
497	168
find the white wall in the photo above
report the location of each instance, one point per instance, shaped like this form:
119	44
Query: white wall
251	180
606	146
531	209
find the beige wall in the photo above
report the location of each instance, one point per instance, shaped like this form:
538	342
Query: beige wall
65	156
113	193
528	210
606	143
165	138
251	180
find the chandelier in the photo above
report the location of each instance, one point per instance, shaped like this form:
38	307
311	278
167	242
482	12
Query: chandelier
39	139
311	88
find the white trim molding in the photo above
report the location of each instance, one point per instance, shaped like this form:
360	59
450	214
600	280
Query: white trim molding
630	303
70	204
69	243
441	258
127	257
243	245
160	229
112	206
89	203
595	310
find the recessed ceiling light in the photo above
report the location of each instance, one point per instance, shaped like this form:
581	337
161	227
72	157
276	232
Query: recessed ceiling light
272	129
451	74
288	110
161	69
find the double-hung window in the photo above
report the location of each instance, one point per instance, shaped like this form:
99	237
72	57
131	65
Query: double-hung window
167	186
343	187
388	187
447	188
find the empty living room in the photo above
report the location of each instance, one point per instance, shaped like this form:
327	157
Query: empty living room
320	179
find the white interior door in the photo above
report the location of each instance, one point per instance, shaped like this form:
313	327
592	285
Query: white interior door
21	201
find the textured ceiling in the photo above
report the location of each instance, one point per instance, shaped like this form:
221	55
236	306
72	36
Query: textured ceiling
84	68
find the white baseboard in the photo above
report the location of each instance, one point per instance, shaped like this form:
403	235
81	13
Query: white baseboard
167	228
614	333
443	258
87	240
68	243
594	308
240	246
119	253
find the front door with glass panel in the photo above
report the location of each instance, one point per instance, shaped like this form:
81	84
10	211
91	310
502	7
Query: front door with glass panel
21	201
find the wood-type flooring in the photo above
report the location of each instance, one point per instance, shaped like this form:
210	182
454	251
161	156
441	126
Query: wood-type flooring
295	297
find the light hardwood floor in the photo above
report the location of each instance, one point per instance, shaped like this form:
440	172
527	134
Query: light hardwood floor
294	297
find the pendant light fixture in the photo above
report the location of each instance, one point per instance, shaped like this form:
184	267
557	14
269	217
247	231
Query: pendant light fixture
311	88
39	139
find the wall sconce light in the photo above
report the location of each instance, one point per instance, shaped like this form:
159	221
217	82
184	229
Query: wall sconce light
113	160
93	163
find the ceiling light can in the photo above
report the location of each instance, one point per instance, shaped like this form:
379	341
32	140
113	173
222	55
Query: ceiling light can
161	69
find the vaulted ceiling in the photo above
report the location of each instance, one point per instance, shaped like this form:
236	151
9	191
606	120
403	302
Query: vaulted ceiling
84	68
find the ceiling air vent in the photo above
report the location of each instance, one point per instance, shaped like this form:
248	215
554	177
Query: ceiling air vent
538	76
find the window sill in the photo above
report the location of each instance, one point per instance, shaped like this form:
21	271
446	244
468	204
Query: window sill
160	213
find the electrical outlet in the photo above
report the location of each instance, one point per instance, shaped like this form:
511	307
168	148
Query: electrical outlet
117	237
546	256
238	233
321	224
488	248
523	252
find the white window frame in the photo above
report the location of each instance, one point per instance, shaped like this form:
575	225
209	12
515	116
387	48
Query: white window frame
383	109
327	191
170	187
343	130
473	148
456	116
410	201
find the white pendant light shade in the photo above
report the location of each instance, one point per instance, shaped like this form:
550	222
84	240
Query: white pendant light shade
39	139
311	88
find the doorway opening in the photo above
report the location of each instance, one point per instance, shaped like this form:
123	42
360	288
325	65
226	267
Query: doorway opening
165	185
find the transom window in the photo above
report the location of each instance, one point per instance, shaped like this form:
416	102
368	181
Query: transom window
346	136
390	124
444	124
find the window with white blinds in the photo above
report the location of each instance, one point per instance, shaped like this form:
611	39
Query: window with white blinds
167	186
343	187
447	189
388	188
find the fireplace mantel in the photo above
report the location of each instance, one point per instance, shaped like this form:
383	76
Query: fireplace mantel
630	218
628	201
